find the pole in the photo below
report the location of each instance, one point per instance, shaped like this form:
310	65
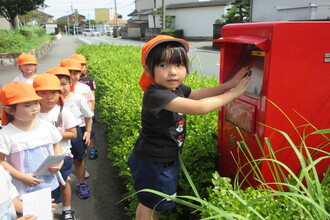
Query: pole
163	15
67	18
116	18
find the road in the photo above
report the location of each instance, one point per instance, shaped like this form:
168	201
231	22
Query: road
204	61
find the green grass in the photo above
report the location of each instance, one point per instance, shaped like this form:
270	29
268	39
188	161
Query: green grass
23	39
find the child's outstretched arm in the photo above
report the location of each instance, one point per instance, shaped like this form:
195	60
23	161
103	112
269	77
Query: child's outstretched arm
26	178
87	133
220	89
209	104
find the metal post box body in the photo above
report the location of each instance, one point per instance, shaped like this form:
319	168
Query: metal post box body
290	67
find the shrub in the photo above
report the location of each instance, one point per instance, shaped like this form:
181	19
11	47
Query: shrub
117	70
174	33
23	39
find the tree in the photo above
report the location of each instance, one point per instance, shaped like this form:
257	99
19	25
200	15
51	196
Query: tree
10	9
239	12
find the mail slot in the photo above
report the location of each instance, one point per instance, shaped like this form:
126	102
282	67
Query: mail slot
290	67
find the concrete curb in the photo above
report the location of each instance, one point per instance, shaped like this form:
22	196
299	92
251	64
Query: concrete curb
9	59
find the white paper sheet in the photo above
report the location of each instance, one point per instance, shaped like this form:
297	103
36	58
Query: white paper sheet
51	160
38	203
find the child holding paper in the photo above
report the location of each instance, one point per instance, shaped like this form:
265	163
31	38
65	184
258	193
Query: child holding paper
52	109
26	141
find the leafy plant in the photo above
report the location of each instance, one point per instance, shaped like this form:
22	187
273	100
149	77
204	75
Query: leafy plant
119	100
23	39
297	196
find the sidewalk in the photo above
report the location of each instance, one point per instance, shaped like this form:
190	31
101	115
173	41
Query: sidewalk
61	49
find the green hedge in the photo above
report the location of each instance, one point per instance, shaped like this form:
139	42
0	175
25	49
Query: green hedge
117	70
174	33
23	39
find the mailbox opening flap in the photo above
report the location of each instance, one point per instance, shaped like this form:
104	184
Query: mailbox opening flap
260	42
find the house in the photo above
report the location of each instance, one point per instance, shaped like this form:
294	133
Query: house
4	24
195	18
81	18
283	10
36	17
71	19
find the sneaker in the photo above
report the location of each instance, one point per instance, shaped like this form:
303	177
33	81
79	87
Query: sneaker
68	215
92	153
83	190
86	174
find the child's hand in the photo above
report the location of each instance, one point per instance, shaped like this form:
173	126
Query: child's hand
27	217
241	86
53	205
29	180
54	169
239	75
87	137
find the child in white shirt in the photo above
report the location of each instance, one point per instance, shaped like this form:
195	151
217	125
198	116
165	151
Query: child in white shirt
82	113
26	141
28	66
48	87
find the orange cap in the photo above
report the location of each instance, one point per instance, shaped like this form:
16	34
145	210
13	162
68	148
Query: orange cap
145	80
58	70
71	64
79	57
46	82
14	93
26	58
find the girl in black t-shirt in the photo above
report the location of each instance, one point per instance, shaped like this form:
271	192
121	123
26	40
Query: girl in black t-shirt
154	162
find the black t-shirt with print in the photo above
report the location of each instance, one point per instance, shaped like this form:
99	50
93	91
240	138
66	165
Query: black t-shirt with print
163	132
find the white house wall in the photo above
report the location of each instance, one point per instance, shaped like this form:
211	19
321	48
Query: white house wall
284	10
196	22
147	4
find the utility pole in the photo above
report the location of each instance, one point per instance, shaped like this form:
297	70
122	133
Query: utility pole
163	15
67	19
116	18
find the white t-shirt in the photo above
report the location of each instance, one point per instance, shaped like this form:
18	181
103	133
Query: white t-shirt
21	78
26	150
68	121
7	193
85	91
79	108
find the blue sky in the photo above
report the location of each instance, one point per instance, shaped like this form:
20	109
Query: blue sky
59	8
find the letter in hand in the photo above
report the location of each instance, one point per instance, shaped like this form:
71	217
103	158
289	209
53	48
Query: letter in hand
242	86
243	72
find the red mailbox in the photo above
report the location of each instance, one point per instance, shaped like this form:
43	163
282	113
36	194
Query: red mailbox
290	64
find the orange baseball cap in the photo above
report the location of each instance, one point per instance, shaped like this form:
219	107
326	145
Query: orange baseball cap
79	57
58	70
71	64
14	93
46	81
26	58
145	80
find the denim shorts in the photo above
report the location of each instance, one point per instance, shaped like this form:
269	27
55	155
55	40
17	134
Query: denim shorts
66	169
78	145
162	177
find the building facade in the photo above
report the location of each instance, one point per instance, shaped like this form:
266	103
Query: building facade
283	10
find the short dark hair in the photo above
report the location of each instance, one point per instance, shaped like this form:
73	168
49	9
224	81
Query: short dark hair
169	52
